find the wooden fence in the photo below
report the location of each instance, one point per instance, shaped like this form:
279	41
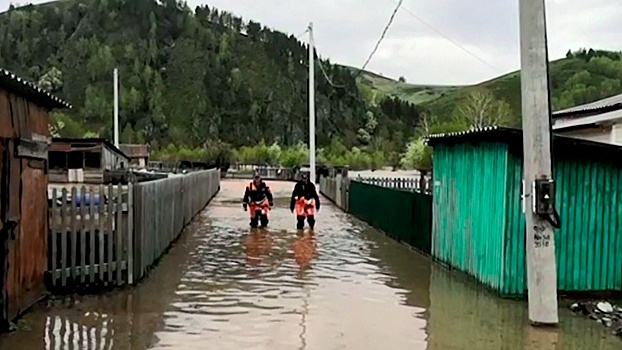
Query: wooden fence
163	208
90	241
111	235
411	183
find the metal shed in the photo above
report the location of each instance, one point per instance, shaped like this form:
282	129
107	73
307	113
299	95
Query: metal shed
24	140
478	223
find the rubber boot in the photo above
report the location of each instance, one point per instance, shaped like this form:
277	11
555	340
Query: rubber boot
300	222
311	221
264	220
254	222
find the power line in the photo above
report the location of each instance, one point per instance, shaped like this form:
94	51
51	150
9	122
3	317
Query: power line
384	33
431	27
371	55
303	33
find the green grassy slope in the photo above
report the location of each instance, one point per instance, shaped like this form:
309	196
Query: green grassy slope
583	76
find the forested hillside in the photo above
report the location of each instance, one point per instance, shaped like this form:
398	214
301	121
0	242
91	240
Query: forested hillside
191	78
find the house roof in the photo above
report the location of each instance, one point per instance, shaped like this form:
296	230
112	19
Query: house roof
588	120
16	85
103	141
605	105
514	137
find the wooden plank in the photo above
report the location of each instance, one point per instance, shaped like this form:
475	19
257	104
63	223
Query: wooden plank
99	267
65	219
54	234
92	234
130	234
82	232
119	233
110	233
32	149
102	227
74	234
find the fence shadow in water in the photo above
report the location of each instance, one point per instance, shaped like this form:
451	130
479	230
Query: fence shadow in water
121	319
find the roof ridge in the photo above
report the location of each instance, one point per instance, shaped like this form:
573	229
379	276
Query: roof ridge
31	90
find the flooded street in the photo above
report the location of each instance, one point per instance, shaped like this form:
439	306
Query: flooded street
223	287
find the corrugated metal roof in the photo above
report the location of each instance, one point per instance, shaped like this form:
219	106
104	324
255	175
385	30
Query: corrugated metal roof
514	137
14	84
592	119
107	143
609	102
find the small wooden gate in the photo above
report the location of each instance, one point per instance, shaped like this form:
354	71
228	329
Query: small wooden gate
91	237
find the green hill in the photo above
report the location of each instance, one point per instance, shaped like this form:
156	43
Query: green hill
583	76
189	77
377	87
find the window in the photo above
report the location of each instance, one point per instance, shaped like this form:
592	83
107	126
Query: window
75	160
92	160
57	160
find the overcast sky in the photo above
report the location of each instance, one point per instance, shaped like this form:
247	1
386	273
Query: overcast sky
346	32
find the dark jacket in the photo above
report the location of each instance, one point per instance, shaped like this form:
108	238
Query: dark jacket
307	190
257	193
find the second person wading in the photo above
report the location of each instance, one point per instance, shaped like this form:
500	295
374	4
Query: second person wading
305	201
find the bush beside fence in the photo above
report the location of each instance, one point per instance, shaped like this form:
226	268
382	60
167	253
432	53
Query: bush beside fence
403	215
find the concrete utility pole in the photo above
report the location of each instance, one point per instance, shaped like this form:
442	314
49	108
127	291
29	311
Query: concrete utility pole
311	104
116	106
540	240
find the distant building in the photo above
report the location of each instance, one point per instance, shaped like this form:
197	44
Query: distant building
138	154
90	160
24	140
599	121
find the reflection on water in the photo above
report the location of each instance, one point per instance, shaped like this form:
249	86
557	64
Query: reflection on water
344	286
305	248
257	245
463	316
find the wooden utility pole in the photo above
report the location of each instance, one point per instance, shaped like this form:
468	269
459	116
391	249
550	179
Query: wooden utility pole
537	185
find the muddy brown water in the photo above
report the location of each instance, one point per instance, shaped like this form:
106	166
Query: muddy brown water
347	287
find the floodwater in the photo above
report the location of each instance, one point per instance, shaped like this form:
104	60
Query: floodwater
348	287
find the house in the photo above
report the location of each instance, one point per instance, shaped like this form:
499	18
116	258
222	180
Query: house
24	140
478	224
91	160
599	121
138	154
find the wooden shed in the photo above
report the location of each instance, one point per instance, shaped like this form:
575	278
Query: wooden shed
478	223
137	153
24	140
89	160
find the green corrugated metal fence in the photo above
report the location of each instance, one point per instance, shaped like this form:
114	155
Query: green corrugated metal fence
403	215
468	229
479	226
589	243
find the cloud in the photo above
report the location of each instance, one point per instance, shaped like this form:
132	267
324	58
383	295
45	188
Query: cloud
346	32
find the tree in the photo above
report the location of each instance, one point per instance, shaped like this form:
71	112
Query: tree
481	109
418	155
